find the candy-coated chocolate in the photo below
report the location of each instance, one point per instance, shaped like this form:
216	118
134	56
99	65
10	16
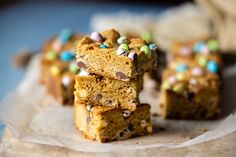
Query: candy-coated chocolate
66	80
172	79
212	66
73	67
153	47
103	46
65	35
50	55
122	40
55	70
166	85
181	68
120	52
197	71
185	51
146	50
96	36
180	76
132	56
213	45
179	87
202	61
124	47
66	56
198	47
83	73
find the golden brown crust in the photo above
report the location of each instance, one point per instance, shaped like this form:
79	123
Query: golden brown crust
106	61
105	124
191	84
53	70
100	90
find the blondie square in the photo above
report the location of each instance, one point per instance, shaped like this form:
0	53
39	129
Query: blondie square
112	55
107	91
107	123
58	66
190	92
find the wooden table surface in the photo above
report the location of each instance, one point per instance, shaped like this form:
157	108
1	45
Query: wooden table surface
222	147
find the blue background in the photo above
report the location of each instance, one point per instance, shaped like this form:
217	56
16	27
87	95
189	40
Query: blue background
29	24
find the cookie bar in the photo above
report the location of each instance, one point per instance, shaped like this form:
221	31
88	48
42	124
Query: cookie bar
97	90
111	55
106	123
194	50
193	94
191	87
58	66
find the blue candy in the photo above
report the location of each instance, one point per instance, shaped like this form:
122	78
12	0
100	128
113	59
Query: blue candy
65	35
181	68
212	66
66	56
103	46
153	47
198	47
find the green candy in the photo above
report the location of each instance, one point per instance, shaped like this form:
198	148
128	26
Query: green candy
179	88
50	55
147	36
202	61
124	47
213	45
146	50
73	67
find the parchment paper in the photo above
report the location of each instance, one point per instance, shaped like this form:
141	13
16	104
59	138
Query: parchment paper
32	115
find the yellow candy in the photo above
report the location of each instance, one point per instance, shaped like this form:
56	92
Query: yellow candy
202	61
180	76
179	88
166	85
55	70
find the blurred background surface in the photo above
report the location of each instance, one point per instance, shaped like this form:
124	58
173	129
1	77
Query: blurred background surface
26	24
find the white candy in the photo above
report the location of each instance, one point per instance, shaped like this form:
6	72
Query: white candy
122	40
83	73
126	113
120	51
66	80
193	81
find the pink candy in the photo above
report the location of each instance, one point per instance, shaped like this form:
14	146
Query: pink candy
56	45
172	79
96	37
197	71
185	51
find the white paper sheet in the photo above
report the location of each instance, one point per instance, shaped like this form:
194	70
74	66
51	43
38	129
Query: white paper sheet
32	115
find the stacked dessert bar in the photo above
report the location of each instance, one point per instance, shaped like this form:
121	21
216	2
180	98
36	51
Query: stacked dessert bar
191	83
58	66
107	105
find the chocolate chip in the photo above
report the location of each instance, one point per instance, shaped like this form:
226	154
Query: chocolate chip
98	97
202	113
130	127
190	95
121	134
81	65
121	75
110	102
98	79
